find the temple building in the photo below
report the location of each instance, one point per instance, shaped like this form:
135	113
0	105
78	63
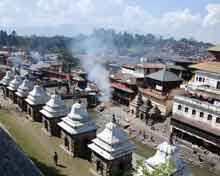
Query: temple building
22	93
111	151
160	88
13	86
135	105
52	113
167	153
36	99
5	82
77	131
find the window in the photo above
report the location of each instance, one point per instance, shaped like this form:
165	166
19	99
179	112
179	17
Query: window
209	117
200	79
218	120
179	107
186	109
193	112
203	79
201	114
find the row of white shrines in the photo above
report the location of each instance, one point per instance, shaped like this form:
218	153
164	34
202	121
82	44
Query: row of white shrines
109	151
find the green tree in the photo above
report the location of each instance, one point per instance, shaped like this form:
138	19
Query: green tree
161	170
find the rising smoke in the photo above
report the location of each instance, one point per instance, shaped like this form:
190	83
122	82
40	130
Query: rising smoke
93	64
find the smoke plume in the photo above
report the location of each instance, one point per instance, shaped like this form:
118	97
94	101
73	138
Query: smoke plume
93	64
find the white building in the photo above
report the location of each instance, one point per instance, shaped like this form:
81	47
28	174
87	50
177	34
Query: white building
77	131
13	86
36	99
22	93
5	82
111	151
52	113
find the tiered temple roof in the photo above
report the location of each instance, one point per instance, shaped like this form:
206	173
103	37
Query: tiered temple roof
15	83
25	88
77	121
7	78
37	96
112	142
55	107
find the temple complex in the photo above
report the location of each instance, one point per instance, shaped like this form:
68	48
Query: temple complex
111	151
36	99
22	93
77	131
52	113
5	82
13	86
167	153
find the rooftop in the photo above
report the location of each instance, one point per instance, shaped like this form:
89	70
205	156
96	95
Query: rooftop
122	87
213	67
14	84
164	76
77	121
112	142
7	78
37	96
25	87
55	107
198	124
214	48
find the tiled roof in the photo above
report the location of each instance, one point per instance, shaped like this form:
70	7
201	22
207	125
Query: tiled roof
150	65
124	78
121	87
213	67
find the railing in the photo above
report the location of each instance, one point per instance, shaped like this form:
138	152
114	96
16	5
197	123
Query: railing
187	128
198	103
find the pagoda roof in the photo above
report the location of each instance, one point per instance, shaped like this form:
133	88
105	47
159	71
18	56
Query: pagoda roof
37	96
112	142
25	87
14	84
7	78
55	107
77	121
164	76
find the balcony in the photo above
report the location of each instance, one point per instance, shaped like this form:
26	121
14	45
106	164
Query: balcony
197	103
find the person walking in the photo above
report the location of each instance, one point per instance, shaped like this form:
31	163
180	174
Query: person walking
55	158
